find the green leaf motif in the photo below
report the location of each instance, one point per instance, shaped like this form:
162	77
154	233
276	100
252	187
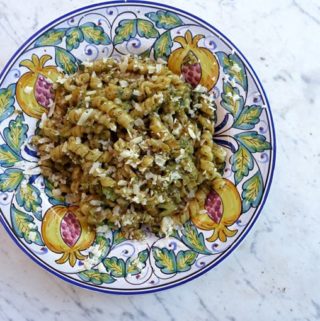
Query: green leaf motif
233	66
185	259
253	141
104	246
94	34
232	101
24	227
8	157
118	237
10	179
165	260
143	256
248	118
28	197
16	133
95	277
116	267
48	187
242	163
165	19
163	45
146	29
193	239
74	37
7	101
129	28
252	192
66	61
126	30
51	38
135	266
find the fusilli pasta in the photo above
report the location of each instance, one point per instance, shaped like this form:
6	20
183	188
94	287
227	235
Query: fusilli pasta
131	143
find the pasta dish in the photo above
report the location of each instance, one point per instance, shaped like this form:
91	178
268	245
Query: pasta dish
130	143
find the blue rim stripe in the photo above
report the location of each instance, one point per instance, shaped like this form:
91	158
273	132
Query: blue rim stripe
269	178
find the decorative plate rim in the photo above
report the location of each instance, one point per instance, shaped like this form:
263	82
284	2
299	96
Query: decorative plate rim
234	245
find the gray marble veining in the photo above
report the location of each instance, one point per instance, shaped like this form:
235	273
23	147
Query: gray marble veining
273	274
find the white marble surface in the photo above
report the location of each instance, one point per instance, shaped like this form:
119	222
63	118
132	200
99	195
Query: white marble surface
274	274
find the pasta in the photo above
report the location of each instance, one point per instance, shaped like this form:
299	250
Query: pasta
131	144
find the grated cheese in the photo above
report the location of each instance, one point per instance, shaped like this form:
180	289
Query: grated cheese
85	116
161	61
181	156
139	122
94	167
87	63
116	210
167	226
102	229
95	202
161	199
191	133
160	98
52	107
123	83
136	92
175	99
43	140
160	160
200	89
175	176
43	119
128	153
137	106
158	68
61	80
177	130
124	64
122	183
137	140
56	192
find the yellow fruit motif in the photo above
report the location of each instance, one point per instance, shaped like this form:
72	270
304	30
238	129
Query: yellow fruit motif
65	234
34	88
223	207
198	65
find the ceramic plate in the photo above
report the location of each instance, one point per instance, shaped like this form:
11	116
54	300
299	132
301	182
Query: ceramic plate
244	127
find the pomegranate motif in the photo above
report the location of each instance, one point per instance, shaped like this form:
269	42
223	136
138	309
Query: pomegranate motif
70	229
223	207
43	92
191	73
64	233
197	64
34	88
213	205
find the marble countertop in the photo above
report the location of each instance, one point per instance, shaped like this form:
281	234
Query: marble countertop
274	273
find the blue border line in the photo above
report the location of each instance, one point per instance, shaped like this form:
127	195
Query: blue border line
269	179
